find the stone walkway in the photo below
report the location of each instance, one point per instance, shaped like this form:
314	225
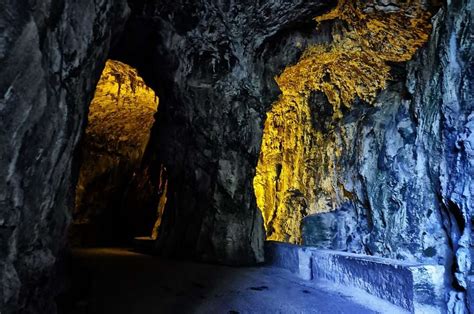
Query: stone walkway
110	280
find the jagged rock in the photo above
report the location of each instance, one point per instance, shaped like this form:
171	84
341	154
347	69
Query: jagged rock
404	177
213	65
391	171
51	56
303	143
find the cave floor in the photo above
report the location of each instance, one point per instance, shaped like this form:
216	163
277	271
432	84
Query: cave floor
117	280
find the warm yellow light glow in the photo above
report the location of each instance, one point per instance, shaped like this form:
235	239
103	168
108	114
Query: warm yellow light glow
118	130
355	63
288	184
163	192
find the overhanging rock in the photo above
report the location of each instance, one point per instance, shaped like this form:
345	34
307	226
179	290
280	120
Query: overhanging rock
418	288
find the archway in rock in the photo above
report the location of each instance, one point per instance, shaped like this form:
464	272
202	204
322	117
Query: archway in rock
401	180
116	198
215	85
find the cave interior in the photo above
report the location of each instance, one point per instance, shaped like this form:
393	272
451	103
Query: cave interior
214	156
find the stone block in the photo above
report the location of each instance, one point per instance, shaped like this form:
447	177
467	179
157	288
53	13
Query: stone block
418	288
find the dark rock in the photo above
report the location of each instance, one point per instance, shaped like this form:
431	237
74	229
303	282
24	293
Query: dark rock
51	56
213	66
403	182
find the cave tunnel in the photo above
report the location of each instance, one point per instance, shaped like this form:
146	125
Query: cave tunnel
213	156
116	198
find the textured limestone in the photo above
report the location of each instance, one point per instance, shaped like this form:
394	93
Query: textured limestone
398	173
51	56
119	122
403	182
354	65
213	65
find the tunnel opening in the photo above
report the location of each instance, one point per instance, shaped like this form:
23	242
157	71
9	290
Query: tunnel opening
116	197
350	160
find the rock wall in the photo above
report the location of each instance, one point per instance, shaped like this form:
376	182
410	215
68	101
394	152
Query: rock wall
119	122
395	177
213	65
326	81
400	178
51	56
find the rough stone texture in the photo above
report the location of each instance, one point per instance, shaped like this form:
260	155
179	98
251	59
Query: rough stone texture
213	65
51	56
404	179
119	122
399	172
470	292
300	154
417	288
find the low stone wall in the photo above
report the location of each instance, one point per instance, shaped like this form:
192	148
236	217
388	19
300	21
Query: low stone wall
418	288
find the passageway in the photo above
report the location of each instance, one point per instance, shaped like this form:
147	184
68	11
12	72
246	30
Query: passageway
116	198
118	281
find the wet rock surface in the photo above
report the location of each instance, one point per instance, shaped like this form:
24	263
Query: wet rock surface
51	56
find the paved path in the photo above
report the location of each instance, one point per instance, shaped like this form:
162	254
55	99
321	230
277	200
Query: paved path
120	281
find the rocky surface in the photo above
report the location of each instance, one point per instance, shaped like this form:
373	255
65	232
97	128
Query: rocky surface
213	64
398	172
300	153
108	208
51	56
397	175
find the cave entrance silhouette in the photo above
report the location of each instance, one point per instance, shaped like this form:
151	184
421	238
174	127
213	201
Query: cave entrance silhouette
116	198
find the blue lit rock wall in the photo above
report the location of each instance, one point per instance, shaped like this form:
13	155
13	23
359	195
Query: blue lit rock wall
404	181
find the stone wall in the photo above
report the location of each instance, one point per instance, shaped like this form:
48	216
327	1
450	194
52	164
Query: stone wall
401	180
51	56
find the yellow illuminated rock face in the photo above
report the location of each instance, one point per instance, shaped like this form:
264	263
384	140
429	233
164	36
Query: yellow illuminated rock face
121	113
119	123
297	165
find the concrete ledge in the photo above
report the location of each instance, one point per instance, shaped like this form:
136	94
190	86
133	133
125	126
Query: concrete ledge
470	292
418	288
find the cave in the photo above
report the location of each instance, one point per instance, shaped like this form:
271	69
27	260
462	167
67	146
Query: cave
116	199
236	156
